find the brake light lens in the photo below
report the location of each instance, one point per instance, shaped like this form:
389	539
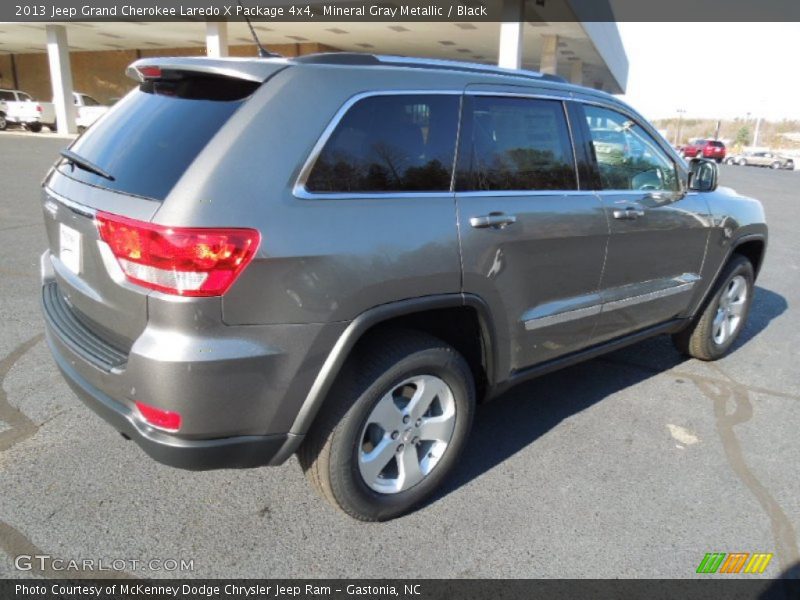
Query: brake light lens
149	72
185	261
157	417
39	108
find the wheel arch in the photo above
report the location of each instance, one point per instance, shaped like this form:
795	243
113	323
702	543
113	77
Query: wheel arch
454	318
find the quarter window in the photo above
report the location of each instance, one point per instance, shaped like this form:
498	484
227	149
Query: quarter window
393	143
515	144
627	156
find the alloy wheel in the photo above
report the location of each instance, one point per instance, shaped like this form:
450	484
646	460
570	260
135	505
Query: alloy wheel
406	434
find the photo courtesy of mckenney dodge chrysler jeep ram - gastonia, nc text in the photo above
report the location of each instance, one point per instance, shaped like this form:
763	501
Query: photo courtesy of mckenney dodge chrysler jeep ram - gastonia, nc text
339	255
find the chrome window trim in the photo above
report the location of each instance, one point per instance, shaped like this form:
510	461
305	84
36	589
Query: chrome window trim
301	192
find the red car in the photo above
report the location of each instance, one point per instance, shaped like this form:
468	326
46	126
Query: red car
710	149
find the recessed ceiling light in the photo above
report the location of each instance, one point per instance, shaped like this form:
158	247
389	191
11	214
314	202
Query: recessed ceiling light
398	28
465	25
299	38
261	28
447	43
365	45
109	35
463	50
336	30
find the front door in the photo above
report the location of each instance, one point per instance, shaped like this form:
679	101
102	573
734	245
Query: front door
658	231
533	244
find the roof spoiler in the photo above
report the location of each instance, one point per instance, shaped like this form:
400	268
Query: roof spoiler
244	68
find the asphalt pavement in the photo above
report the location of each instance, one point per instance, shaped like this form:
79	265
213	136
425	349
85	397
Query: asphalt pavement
632	465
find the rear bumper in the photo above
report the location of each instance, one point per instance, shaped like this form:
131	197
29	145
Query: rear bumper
225	453
237	388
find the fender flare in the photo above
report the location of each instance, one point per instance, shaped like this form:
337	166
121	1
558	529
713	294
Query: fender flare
761	237
379	314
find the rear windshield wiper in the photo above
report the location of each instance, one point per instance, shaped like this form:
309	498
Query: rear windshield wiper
86	164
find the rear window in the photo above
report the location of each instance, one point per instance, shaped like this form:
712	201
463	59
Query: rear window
716	143
150	137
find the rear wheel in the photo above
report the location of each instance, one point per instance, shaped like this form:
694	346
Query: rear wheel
393	426
34	127
729	161
715	329
3	122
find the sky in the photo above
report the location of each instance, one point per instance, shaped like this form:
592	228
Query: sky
713	70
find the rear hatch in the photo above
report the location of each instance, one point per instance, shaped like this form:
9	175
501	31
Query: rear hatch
126	165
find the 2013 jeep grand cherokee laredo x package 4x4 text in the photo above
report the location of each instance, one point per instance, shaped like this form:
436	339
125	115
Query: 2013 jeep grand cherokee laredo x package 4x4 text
339	255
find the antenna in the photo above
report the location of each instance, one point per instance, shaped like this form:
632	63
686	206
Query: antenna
262	52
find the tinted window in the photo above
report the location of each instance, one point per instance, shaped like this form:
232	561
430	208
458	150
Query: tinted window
25	97
151	136
716	143
514	144
627	157
397	143
8	96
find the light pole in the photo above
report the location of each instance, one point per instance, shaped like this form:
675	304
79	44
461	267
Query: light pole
755	133
680	111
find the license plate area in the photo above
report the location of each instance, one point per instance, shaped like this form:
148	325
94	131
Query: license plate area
69	250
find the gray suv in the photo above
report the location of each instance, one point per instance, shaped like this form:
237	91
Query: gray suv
339	255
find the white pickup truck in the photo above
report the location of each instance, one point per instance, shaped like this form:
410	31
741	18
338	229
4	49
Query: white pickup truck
18	107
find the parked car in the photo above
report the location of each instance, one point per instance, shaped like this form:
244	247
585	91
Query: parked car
761	158
33	114
10	106
702	148
424	239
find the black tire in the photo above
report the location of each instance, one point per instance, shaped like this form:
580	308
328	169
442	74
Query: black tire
742	162
775	165
34	127
698	339
3	122
329	454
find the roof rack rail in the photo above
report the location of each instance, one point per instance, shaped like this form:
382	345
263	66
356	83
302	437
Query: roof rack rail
457	65
338	58
365	59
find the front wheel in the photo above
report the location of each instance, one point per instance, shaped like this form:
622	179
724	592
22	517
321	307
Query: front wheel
392	427
775	165
742	162
3	122
711	334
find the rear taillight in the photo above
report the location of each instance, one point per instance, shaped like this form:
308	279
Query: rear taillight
39	108
187	261
157	417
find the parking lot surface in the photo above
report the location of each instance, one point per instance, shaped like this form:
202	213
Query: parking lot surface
631	465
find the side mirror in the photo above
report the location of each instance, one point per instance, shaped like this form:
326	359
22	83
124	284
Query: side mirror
703	175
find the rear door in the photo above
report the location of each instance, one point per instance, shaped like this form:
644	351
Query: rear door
533	243
144	146
658	231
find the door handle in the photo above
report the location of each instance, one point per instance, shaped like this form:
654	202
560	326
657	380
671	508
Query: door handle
628	214
496	220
